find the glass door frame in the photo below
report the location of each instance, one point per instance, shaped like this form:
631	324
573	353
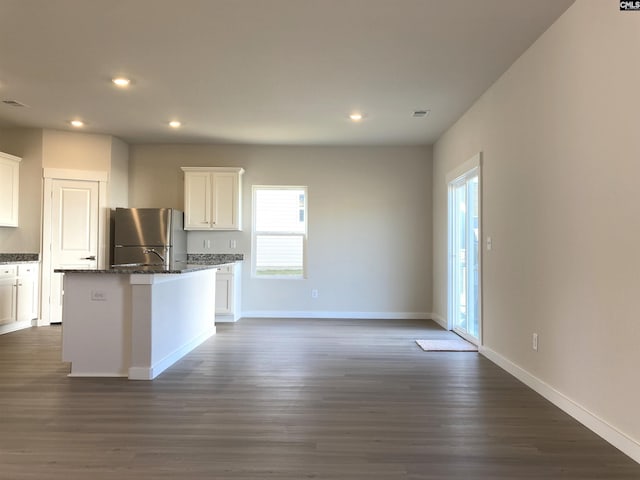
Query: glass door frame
467	170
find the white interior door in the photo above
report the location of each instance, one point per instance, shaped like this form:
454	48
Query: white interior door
464	254
74	233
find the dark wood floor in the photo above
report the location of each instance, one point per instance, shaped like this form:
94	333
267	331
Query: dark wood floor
287	399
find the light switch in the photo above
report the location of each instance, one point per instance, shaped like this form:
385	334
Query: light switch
489	244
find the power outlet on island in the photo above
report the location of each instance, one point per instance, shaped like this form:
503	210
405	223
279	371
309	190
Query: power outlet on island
98	295
314	293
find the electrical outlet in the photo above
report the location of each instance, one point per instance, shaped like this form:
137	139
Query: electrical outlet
98	295
535	342
314	293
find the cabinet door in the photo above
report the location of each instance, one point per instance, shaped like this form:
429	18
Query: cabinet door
7	300
25	299
9	170
224	293
197	200
225	201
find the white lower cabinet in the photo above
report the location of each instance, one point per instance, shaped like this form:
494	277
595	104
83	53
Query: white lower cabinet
224	293
18	296
228	293
27	293
7	301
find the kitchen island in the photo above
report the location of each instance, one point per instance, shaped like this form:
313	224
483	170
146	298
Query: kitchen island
135	321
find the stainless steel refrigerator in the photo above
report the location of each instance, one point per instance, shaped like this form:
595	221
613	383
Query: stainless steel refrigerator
149	236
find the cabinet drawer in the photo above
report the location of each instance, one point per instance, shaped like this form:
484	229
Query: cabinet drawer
8	271
27	269
225	269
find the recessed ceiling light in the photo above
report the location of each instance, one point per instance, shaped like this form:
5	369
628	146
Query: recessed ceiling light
77	123
356	117
175	124
121	81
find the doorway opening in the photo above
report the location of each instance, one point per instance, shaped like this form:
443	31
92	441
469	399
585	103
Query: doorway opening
464	232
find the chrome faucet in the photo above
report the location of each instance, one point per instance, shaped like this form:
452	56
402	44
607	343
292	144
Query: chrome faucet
151	250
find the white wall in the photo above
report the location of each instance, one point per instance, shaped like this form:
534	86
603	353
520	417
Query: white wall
27	144
559	134
369	247
119	174
76	151
57	149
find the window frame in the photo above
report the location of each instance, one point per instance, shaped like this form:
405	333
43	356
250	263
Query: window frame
255	233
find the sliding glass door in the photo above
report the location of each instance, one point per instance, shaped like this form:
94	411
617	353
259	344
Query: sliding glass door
464	254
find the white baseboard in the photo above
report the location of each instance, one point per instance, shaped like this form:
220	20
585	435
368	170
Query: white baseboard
227	317
608	432
14	326
141	373
97	374
440	320
149	373
330	315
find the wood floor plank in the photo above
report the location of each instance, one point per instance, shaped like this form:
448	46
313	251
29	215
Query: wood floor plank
290	399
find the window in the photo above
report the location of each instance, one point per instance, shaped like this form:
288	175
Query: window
279	231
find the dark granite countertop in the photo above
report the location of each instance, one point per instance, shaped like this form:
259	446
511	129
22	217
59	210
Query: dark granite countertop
177	268
195	262
10	258
214	258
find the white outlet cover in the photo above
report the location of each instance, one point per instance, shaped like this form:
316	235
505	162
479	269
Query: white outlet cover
98	295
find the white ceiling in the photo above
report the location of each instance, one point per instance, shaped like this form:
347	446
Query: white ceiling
259	71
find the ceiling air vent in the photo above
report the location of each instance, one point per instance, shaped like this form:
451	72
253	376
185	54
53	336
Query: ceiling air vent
13	103
420	113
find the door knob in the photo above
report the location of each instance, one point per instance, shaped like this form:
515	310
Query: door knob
92	257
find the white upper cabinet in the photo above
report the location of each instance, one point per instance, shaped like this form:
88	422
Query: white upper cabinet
9	184
197	200
212	198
